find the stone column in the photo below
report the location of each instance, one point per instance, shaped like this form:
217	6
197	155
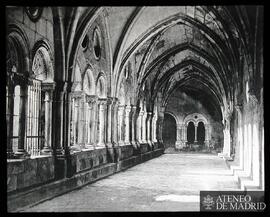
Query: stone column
90	100
102	108
58	119
109	122
114	124
240	134
185	132
148	124
227	137
89	111
133	126
154	130
81	122
68	111
179	143
144	116
21	152
78	120
9	119
94	121
184	135
158	129
120	124
206	135
139	127
127	114
160	124
48	88
196	139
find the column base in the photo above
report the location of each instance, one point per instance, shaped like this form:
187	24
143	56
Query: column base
121	143
101	145
138	144
226	152
109	145
21	154
46	151
89	146
128	143
151	145
223	155
133	143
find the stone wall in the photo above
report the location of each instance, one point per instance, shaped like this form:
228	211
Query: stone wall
88	166
34	31
23	173
181	105
88	159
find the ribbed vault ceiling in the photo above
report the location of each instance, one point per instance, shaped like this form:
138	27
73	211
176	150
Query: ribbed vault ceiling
192	48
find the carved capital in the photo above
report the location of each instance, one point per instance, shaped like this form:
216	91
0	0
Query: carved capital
102	101
110	100
133	108
115	101
141	113
48	86
77	94
121	108
91	98
128	108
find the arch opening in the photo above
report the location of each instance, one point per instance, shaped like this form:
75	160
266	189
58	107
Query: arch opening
169	131
190	133
201	133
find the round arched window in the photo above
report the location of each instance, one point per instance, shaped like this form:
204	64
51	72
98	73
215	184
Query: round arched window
97	44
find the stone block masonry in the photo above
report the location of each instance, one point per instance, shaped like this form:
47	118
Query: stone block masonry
86	173
23	173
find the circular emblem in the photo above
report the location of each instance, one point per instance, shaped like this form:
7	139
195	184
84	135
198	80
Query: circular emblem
34	13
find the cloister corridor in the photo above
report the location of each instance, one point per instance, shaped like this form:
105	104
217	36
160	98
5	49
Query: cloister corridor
132	108
171	182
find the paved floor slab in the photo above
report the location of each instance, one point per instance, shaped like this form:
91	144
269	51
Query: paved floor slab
171	182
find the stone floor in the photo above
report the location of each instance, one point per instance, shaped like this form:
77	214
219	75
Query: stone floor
170	182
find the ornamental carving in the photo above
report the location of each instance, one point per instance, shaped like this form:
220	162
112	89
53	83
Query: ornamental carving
39	66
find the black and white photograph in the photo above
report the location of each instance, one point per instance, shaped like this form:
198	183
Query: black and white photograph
135	108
